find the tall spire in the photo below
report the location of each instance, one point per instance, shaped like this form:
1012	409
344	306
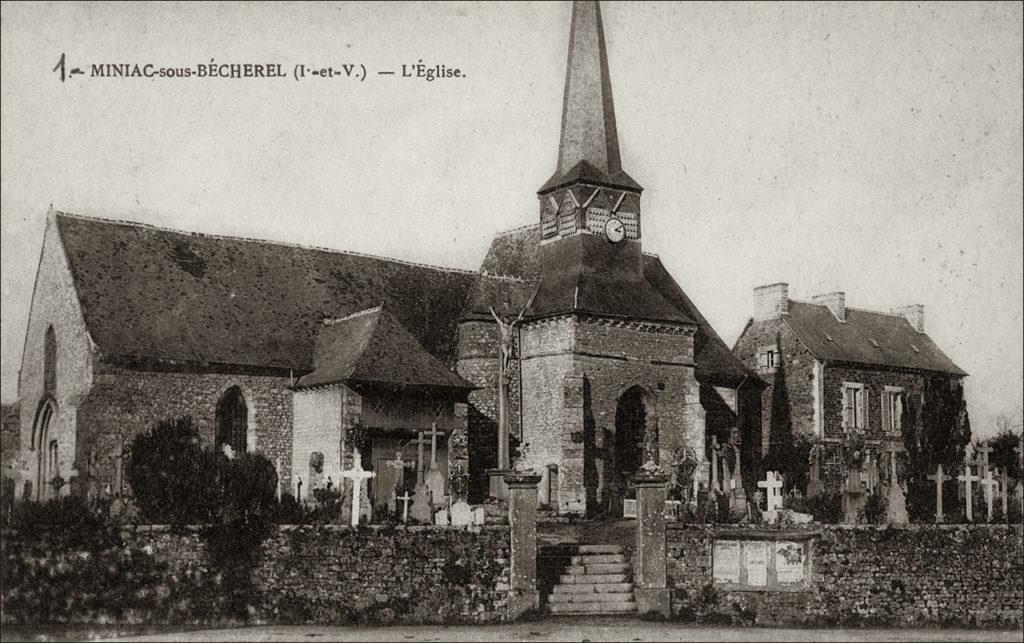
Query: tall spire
588	113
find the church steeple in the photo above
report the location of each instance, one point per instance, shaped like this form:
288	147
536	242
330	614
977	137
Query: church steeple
589	178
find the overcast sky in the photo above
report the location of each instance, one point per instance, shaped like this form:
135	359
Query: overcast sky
873	148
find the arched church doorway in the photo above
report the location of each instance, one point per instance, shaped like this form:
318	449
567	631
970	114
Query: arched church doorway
232	420
635	442
45	447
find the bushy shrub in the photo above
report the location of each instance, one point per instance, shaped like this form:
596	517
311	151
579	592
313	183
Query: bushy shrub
249	486
826	507
173	479
874	510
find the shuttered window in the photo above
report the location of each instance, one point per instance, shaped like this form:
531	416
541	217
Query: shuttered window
892	409
854	407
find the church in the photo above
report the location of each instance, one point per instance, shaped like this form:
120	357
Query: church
570	352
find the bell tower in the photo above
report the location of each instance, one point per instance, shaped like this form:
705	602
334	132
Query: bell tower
589	192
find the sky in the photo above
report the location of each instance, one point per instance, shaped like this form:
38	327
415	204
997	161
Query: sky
865	147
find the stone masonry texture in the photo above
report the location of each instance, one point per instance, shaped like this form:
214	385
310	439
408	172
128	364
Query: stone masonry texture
955	575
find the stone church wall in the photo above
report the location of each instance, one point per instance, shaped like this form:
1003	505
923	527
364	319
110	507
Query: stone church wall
126	401
54	303
925	575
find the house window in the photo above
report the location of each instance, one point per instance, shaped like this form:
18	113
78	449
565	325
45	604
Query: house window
892	409
50	361
768	358
854	407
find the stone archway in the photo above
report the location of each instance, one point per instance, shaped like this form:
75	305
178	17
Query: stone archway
45	446
636	442
232	420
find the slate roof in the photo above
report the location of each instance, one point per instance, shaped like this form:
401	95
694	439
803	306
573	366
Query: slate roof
584	172
516	252
371	347
152	293
586	274
899	344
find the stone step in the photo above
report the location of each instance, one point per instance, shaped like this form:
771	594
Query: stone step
593	579
589	588
599	549
603	568
592	608
598	559
617	597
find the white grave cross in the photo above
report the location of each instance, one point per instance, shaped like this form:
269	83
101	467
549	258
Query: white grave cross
967	478
939	478
356	474
405	498
772	484
989	482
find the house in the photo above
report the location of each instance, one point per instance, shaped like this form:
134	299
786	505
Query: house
833	371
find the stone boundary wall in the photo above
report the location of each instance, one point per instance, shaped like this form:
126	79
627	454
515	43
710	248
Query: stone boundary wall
327	574
862	575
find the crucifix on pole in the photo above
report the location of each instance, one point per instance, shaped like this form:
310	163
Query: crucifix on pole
506	353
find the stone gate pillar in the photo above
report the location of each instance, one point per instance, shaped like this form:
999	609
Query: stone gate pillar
649	565
522	518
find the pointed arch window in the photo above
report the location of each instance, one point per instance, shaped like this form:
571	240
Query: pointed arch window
50	361
232	420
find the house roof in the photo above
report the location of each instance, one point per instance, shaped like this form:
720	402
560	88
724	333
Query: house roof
153	293
517	252
866	337
372	347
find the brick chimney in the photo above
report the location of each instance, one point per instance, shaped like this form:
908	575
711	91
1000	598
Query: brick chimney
836	302
771	301
914	314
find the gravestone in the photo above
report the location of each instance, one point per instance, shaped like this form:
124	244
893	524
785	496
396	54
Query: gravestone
433	477
441	516
715	457
461	513
896	507
1004	492
854	496
815	485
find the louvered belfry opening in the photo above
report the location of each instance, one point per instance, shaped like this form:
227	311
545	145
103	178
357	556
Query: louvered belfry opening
232	420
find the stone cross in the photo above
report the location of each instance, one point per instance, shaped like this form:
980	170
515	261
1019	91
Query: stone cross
967	478
433	477
399	465
405	498
356	474
420	441
939	477
772	485
715	455
989	482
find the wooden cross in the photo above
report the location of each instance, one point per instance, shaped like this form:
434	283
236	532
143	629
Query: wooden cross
988	483
715	448
939	478
772	485
405	498
967	478
298	492
356	474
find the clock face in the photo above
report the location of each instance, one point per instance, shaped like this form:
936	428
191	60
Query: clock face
614	230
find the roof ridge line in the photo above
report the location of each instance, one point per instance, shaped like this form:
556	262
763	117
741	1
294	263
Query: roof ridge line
857	308
505	233
488	275
330	321
288	244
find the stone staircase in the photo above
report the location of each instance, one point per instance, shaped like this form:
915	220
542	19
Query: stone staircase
597	580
